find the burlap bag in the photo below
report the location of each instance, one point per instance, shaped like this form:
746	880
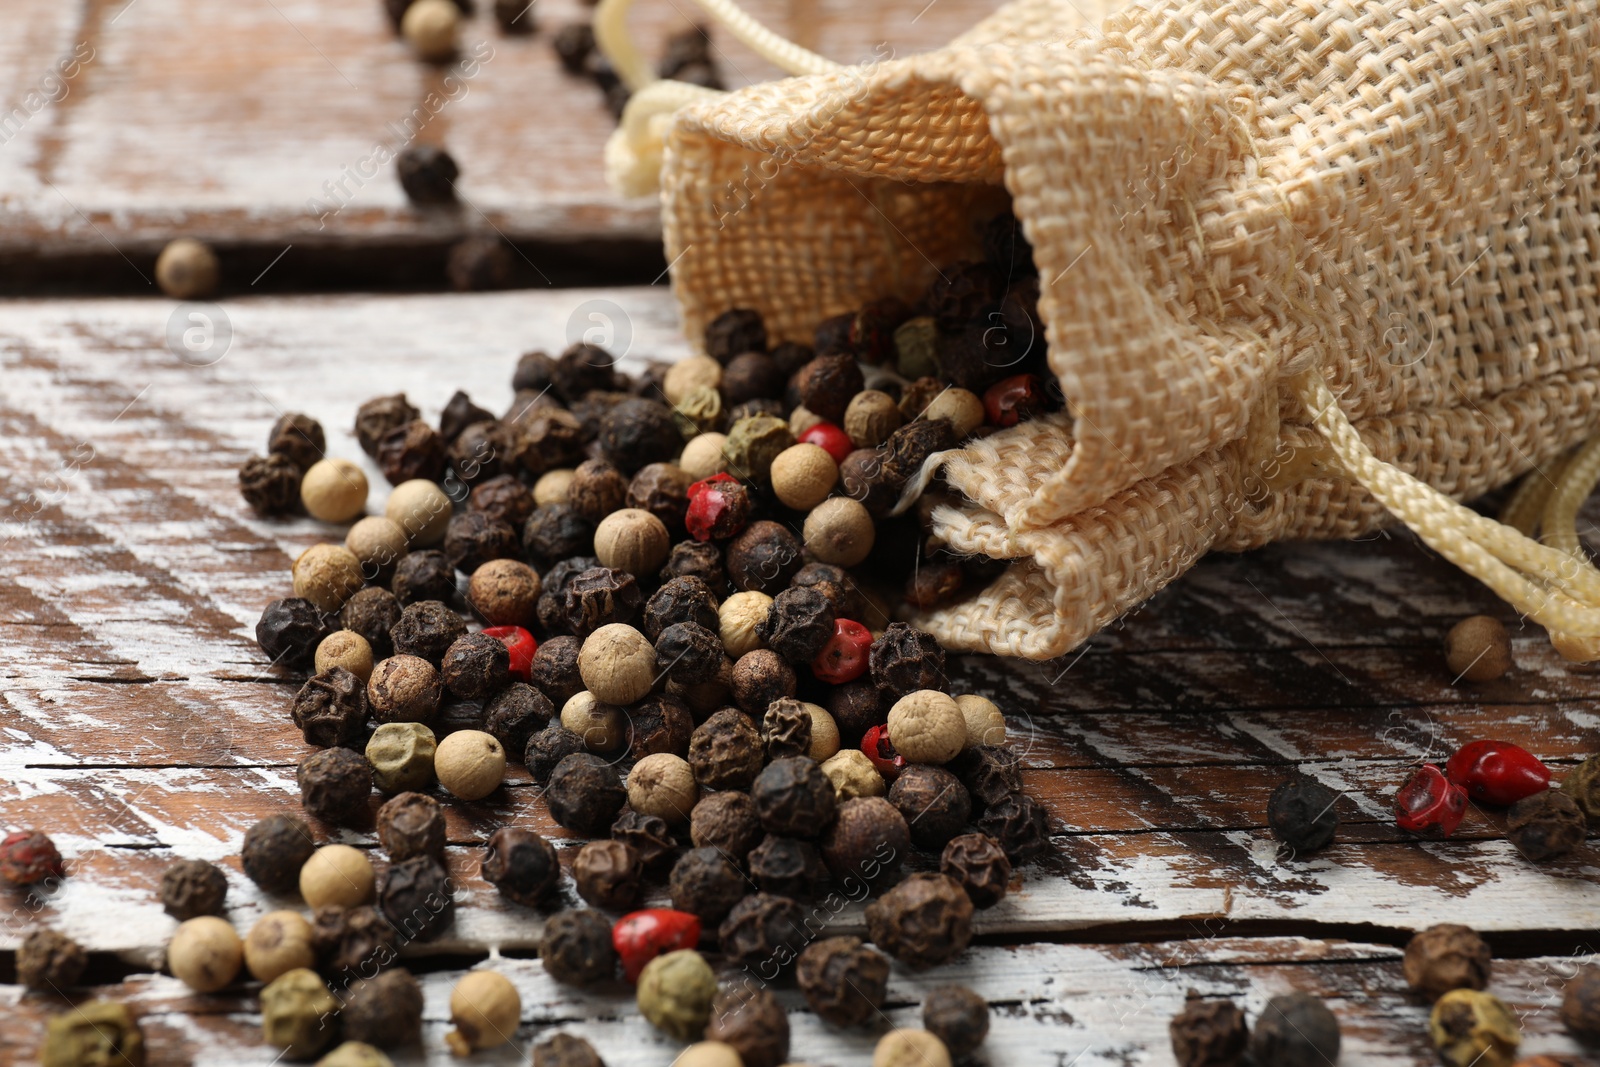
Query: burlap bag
1288	250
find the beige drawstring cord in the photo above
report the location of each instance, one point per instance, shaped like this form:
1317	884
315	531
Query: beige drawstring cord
1552	584
634	150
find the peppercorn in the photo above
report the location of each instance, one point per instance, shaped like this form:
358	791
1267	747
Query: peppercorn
980	865
290	630
503	498
749	1019
698	415
601	597
764	932
1580	1003
1208	1033
546	438
426	630
853	775
726	822
680	600
585	793
867	843
794	797
1546	825
958	1017
327	575
565	1050
761	677
384	1010
934	582
735	332
274	850
763	558
355	1054
824	734
602	726
857	707
985	724
608	874
470	764
598	488
1478	649
1470	1028
416	897
725	751
1021	826
422	577
632	540
688	375
270	484
295	1009
411	824
549	747
515	713
827	384
934	802
638	431
991	773
95	1033
338	875
349	941
871	417
924	921
739	622
753	444
1446	956
926	726
844	981
707	883
50	961
331	709
702	457
576	947
1582	784
476	666
404	688
750	376
960	407
905	660
719	508
662	490
798	624
1295	1030
1300	813
334	785
187	269
279	942
1016	399
190	888
861	478
485	1010
482	449
349	652
554	669
786	728
675	992
881	752
473	539
28	857
378	416
427	173
369	615
787	866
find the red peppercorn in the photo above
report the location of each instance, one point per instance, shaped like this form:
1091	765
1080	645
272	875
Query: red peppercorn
719	508
1010	400
641	936
845	657
830	438
27	857
1430	799
875	743
1497	772
520	644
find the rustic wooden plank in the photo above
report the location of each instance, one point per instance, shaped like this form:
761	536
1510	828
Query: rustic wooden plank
225	121
1051	1005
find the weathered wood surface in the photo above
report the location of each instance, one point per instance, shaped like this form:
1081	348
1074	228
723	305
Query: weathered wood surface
142	724
223	121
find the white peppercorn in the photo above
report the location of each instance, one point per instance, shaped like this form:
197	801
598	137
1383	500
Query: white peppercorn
552	486
430	27
663	785
963	409
910	1048
632	540
337	874
334	490
421	509
927	726
470	763
187	269
378	543
853	775
738	619
602	726
704	455
618	663
985	724
687	375
327	575
824	734
347	649
204	953
870	418
486	1010
803	475
279	942
839	531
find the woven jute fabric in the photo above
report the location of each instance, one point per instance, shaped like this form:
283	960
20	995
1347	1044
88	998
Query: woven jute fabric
1223	198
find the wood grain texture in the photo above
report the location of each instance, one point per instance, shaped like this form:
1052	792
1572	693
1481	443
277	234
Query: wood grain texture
142	724
224	121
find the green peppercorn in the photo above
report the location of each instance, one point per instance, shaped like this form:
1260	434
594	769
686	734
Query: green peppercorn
99	1033
1582	784
675	993
1471	1028
753	443
297	1013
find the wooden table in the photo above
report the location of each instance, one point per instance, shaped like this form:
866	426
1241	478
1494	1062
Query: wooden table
141	723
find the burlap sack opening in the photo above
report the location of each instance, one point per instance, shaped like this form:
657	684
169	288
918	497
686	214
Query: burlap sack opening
1226	200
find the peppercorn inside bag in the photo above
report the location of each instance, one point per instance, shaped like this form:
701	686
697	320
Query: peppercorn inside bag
1301	269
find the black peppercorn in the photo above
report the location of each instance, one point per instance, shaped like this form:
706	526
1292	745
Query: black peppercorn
598	488
958	1017
565	1050
352	941
554	670
725	751
270	484
648	835
274	850
417	898
1300	812
924	921
991	773
601	596
190	888
735	332
608	874
978	354
426	630
480	452
706	883
50	961
981	866
1580	1003
844	981
585	793
759	678
798	624
727	822
857	707
521	864
422	576
574	43
552	610
593	408
905	660
748	1019
834	584
476	666
473	539
828	383
514	714
638	431
1546	825
765	933
385	1011
504	498
299	438
427	174
751	376
335	784
934	802
534	373
411	824
370	613
547	438
290	631
662	489
660	724
576	947
555	532
378	416
764	557
331	709
1446	956
861	478
547	748
696	559
1021	826
793	797
786	728
583	369
680	600
934	582
1295	1030
459	413
477	263
787	866
963	292
867	843
411	450
689	653
1208	1033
